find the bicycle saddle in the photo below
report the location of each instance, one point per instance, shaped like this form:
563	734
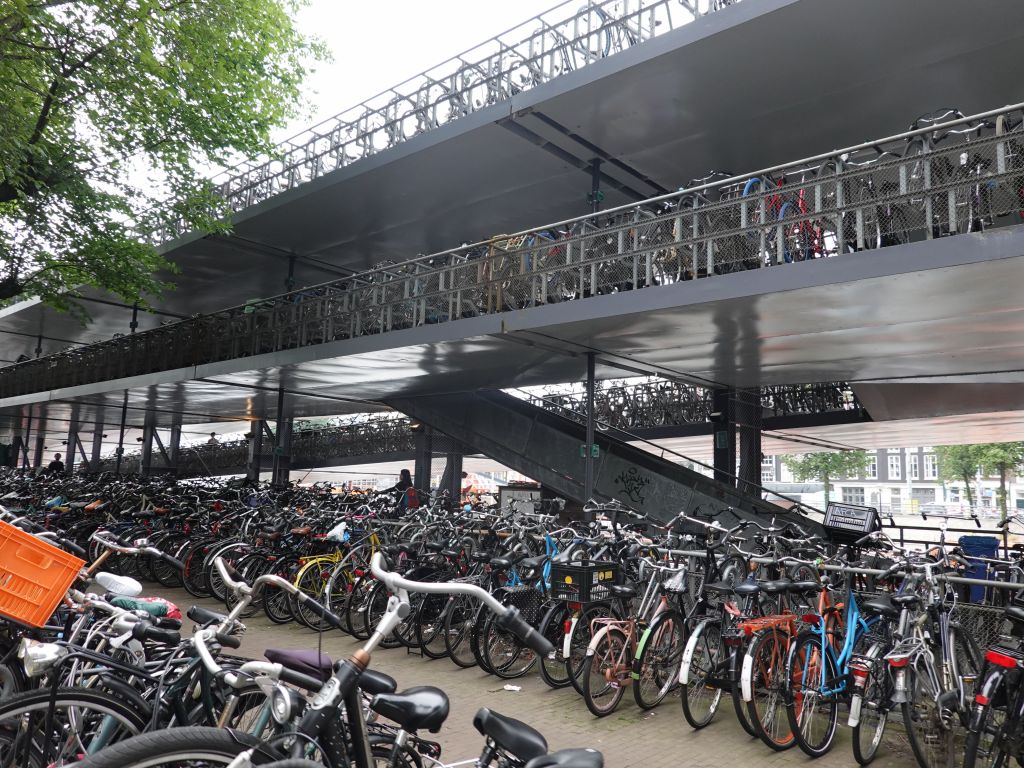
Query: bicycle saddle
569	758
434	546
302	530
202	616
908	599
1015	614
746	588
501	563
451	554
621	590
512	736
533	563
805	587
881	605
414	708
305	662
480	557
776	586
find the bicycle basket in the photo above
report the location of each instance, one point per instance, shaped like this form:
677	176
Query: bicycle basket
583	581
34	576
526	599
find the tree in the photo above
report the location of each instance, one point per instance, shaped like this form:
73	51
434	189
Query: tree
110	107
999	459
959	462
826	466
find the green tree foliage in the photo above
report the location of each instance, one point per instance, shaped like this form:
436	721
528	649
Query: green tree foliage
959	463
96	93
1001	459
827	466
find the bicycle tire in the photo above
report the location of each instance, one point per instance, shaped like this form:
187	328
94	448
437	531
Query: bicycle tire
276	605
658	656
764	677
19	713
579	639
874	708
704	653
600	693
170	748
930	742
430	627
507	657
552	666
986	731
809	669
457	627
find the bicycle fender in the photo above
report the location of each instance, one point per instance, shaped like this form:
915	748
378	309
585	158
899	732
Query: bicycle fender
567	638
595	640
746	678
691	646
986	692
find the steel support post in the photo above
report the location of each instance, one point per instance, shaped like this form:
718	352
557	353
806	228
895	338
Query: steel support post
40	445
25	441
748	419
73	446
282	454
120	437
588	452
174	448
452	480
148	433
724	419
255	450
424	458
96	449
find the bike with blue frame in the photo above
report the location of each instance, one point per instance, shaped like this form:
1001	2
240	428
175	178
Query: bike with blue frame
818	670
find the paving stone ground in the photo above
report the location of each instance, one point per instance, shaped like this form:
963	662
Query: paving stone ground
628	738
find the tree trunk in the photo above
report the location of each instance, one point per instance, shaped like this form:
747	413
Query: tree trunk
970	495
825	479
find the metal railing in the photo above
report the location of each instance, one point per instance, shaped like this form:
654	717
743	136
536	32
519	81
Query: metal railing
945	179
621	405
569	37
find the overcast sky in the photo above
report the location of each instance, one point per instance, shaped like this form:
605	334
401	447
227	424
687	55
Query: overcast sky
377	45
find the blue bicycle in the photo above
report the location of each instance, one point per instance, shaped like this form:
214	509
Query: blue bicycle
818	672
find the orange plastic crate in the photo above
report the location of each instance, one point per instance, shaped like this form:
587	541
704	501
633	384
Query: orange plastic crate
34	576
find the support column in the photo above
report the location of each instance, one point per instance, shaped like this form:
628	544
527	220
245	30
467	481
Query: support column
452	479
74	447
748	419
120	438
724	419
97	445
282	453
40	445
588	451
424	457
148	435
254	466
26	441
174	447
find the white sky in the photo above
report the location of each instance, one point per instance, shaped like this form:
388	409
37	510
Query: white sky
377	45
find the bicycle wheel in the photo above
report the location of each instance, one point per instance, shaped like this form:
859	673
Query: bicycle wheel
506	656
195	747
276	605
739	707
355	607
376	607
430	628
703	660
83	722
764	688
930	740
966	661
656	667
579	639
552	665
813	711
311	580
986	746
458	625
607	668
874	707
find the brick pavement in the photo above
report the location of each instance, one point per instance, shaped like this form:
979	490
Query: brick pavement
628	738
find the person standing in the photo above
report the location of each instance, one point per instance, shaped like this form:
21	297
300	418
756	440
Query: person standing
213	439
410	496
56	467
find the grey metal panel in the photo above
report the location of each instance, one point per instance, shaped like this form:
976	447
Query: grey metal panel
551	455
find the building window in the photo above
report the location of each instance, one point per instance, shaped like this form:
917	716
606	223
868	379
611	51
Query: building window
768	469
853	495
931	468
871	473
895	470
954	495
923	495
914	468
894	450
